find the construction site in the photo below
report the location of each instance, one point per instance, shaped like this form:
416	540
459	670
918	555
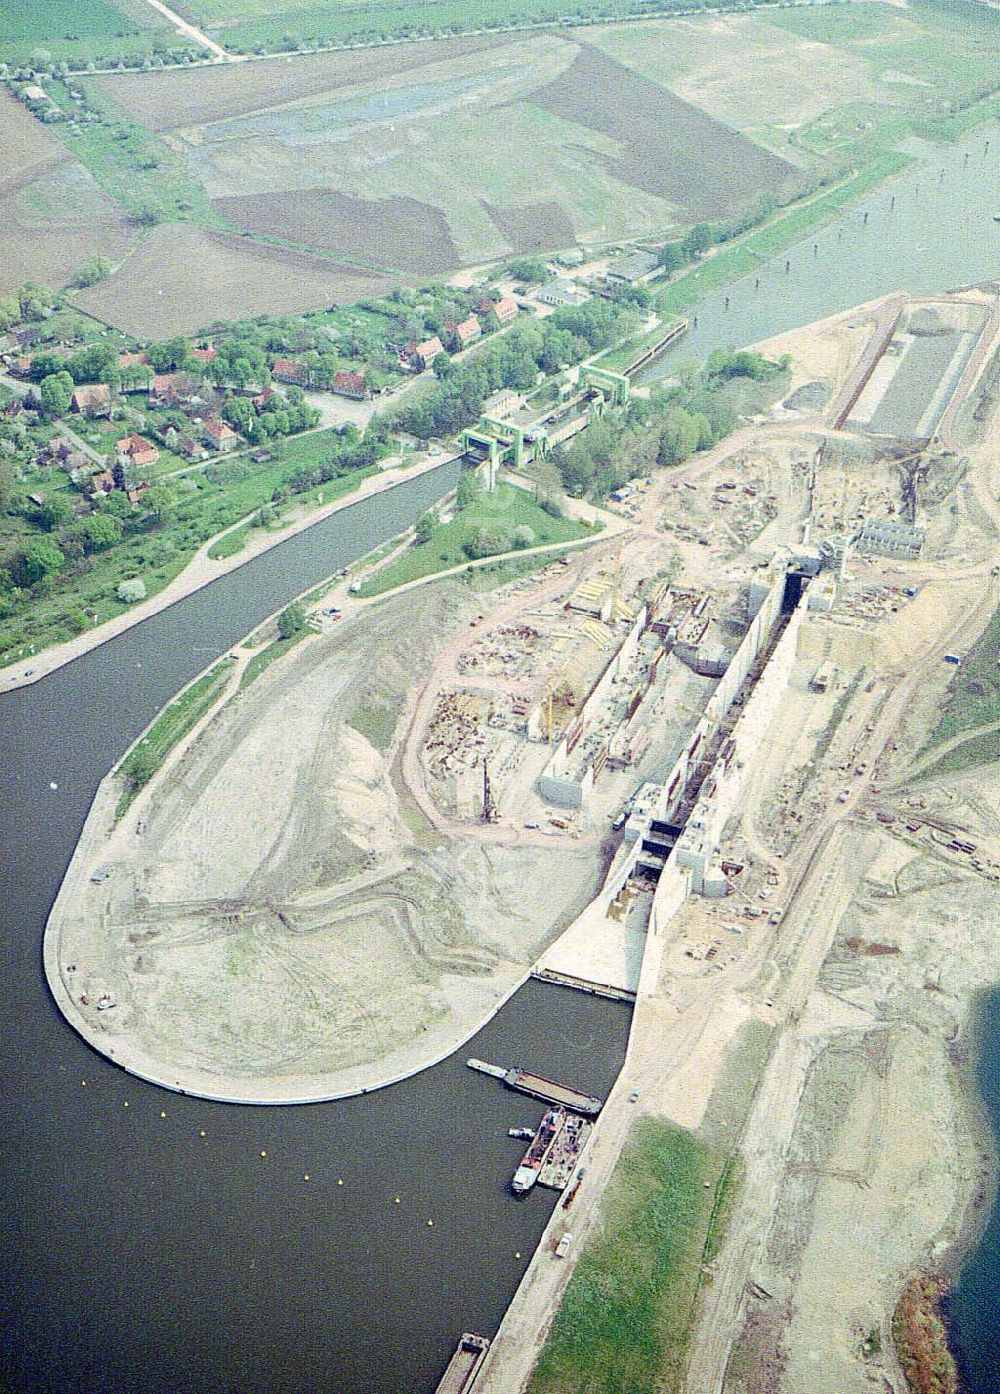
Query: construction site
696	765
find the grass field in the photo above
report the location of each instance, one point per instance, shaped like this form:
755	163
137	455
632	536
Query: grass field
263	660
507	509
625	1319
973	700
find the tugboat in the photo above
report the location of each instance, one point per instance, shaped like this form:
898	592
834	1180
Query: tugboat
524	1134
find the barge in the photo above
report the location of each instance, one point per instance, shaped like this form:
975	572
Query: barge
538	1087
465	1364
538	1151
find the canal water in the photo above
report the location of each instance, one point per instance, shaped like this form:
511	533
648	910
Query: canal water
142	1254
929	229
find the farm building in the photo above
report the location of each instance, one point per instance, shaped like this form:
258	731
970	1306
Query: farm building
504	310
94	399
138	449
219	435
204	355
630	270
572	256
171	389
561	292
348	384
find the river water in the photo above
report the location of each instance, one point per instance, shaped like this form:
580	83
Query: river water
138	1256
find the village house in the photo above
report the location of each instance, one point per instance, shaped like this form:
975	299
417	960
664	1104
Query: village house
219	435
631	270
463	334
56	452
134	495
261	400
205	355
190	448
417	357
20	367
499	312
562	292
171	389
92	399
288	370
127	359
139	450
103	482
348	384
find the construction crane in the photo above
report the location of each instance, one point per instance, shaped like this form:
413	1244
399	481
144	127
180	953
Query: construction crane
491	814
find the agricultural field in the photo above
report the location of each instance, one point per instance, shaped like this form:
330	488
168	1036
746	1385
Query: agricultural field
428	157
78	31
54	223
182	276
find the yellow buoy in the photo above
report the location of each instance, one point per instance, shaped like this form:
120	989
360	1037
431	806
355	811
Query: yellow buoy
202	1133
84	1083
517	1253
262	1152
397	1200
340	1180
162	1114
305	1176
126	1103
430	1222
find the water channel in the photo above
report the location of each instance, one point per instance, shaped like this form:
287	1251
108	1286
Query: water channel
142	1254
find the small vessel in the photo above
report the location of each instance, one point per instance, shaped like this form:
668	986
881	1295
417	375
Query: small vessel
531	1163
526	1134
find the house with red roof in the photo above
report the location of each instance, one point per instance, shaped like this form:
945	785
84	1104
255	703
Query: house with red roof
461	335
417	357
92	399
219	434
348	384
138	449
288	370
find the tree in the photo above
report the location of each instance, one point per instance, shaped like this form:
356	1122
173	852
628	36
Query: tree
442	366
671	257
523	536
159	502
696	240
424	527
292	620
54	513
469	489
102	531
95	268
56	392
679	437
132	591
41	558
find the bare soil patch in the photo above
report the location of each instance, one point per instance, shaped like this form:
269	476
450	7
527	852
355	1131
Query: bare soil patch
168	99
401	233
50	225
183	276
533	227
669	148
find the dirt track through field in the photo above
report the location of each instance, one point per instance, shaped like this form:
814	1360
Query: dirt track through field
669	148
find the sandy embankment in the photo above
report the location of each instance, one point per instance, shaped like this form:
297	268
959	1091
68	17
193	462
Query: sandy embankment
271	929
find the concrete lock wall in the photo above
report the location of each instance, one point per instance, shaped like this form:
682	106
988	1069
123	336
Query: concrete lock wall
554	785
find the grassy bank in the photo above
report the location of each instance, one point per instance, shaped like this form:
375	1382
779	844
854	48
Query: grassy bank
501	511
625	1320
972	700
271	654
921	1339
744	257
171	726
619	358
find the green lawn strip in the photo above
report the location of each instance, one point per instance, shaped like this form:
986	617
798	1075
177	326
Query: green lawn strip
983	749
171	726
139	171
282	25
745	256
81	31
267	656
376	721
314	498
506	508
619	358
625	1319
